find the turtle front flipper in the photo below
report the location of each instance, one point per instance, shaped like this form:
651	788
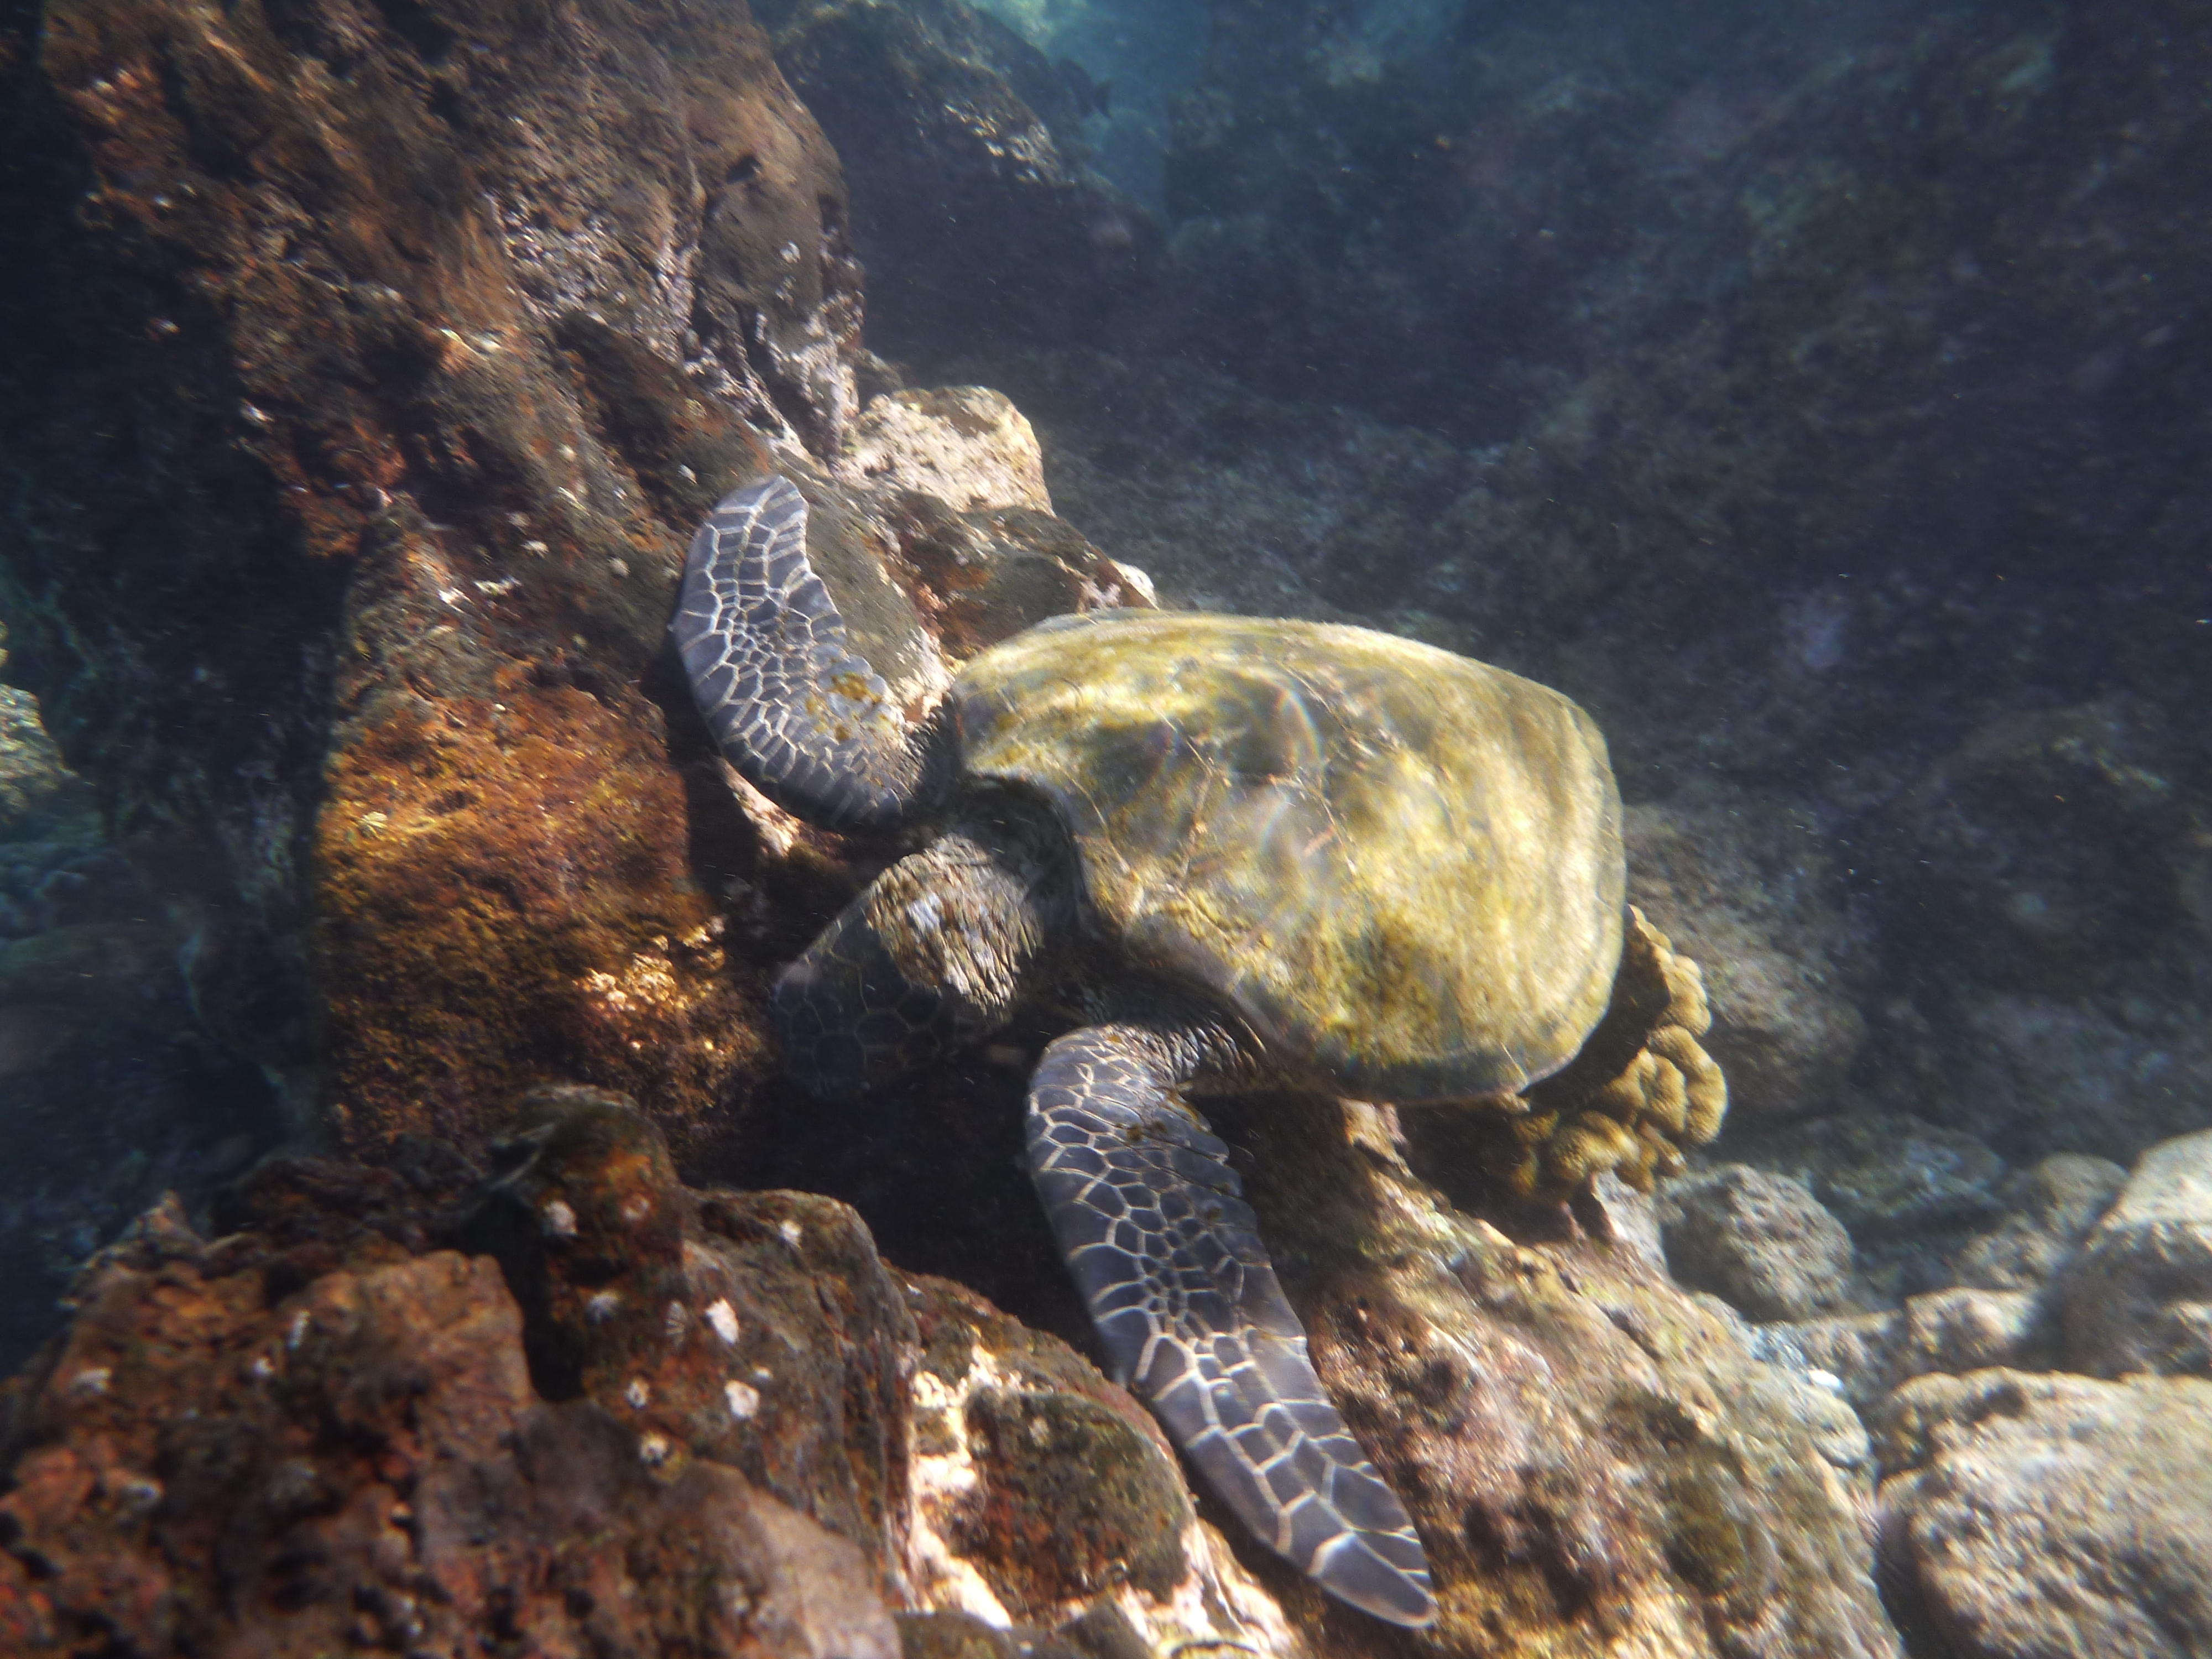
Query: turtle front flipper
1167	1255
806	720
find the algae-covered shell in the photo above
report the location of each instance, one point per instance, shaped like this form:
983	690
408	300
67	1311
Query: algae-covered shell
1403	867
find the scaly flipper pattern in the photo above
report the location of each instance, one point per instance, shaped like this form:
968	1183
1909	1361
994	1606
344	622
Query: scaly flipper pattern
1168	1255
806	720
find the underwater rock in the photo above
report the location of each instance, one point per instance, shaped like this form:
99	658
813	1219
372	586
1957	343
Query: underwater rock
2137	1296
368	371
1886	1177
1586	1449
40	796
1951	1331
1760	1242
948	493
572	1404
1724	301
1744	883
978	220
732	1389
2049	845
968	446
170	1487
372	377
2105	1076
2031	1516
112	1092
2049	1208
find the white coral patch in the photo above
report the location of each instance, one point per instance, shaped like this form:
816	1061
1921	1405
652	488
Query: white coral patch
1190	1618
745	1399
91	1382
945	1581
723	1318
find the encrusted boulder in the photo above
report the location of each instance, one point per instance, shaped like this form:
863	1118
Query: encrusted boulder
435	337
170	1490
731	1391
2137	1296
569	1404
368	374
1759	1242
1592	1455
2030	1516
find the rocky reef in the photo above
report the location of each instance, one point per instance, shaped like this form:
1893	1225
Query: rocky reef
561	1400
371	378
1817	398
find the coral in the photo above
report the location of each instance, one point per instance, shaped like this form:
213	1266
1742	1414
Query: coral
1641	1087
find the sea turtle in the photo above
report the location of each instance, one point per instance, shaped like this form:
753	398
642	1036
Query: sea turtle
1242	852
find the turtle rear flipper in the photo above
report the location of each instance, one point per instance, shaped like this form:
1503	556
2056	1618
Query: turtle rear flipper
1167	1255
806	720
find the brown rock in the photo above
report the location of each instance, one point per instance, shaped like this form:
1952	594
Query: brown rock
2138	1294
505	891
1760	1242
1594	1459
437	337
573	1407
209	1461
2044	1515
414	1406
402	359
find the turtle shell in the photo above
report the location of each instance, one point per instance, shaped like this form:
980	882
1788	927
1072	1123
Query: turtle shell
1403	867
